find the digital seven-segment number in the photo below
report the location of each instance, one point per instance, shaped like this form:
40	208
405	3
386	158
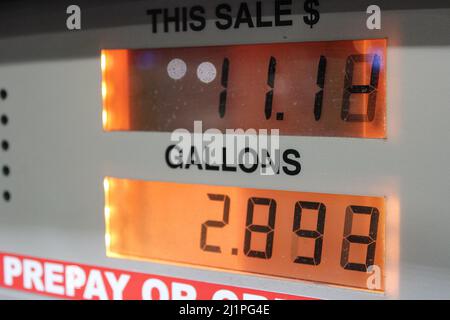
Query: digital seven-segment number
317	234
207	72
331	238
327	88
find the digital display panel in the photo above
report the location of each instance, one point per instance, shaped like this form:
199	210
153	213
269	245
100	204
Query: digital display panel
328	88
319	237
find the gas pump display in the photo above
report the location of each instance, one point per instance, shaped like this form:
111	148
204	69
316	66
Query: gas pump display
331	88
224	150
309	236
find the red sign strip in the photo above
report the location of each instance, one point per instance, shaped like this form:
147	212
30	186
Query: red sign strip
68	280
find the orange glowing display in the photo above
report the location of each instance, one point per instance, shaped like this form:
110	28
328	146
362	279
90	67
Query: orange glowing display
319	237
328	88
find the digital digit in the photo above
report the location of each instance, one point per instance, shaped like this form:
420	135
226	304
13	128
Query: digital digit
369	240
350	88
320	83
224	83
314	234
267	229
271	84
215	223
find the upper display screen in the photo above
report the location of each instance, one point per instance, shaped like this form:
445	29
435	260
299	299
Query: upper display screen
331	88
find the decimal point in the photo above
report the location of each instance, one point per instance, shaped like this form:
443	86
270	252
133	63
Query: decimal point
280	116
234	251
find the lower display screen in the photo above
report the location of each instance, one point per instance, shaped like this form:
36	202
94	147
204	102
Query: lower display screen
328	238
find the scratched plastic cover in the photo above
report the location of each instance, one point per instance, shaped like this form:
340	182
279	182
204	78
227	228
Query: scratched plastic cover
328	88
318	237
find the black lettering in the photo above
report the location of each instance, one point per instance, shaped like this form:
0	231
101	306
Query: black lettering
175	18
279	12
154	16
207	154
254	166
273	163
184	18
259	17
197	14
211	167
292	162
244	16
194	159
223	13
168	160
225	166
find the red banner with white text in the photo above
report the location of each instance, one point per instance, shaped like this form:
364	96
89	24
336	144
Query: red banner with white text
68	280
